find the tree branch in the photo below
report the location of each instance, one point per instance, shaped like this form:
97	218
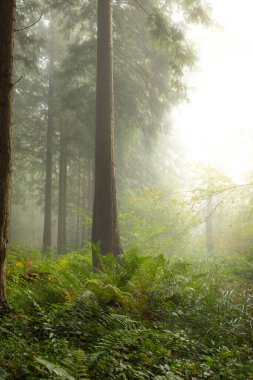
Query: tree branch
18	80
34	23
144	9
210	191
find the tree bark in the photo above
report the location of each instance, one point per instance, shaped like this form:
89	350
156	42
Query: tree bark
47	234
84	207
105	231
90	191
62	203
78	207
7	24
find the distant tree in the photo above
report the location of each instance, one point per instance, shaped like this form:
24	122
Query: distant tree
62	199
148	82
105	231
214	188
47	233
29	123
7	24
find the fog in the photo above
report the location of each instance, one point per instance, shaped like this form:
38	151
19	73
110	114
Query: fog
215	126
126	189
183	127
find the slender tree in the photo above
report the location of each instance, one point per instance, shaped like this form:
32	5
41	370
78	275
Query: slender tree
7	24
47	234
105	230
62	203
77	244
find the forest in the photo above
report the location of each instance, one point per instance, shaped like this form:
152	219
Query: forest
126	203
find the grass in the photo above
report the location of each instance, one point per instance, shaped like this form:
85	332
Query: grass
145	318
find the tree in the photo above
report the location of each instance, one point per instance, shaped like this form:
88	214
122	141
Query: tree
105	231
29	123
62	200
47	239
7	23
207	199
148	81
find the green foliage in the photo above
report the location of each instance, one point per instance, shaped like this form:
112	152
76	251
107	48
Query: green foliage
157	221
142	318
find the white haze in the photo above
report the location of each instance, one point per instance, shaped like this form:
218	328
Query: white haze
216	126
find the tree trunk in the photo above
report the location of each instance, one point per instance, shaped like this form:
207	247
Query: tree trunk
90	191
7	24
84	207
62	203
105	232
47	234
78	207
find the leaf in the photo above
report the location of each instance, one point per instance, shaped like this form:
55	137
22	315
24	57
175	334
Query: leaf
57	370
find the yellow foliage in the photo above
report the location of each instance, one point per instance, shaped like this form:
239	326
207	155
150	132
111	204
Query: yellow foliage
19	264
69	296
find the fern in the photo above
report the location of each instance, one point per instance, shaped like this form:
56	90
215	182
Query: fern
76	364
72	368
55	370
113	321
109	293
168	376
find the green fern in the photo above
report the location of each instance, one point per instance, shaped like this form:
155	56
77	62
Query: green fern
72	368
169	376
76	364
109	293
56	371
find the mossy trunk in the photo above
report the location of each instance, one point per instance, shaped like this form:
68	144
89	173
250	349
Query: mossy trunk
7	23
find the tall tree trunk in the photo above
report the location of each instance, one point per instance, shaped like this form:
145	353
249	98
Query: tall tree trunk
78	207
47	234
105	230
90	191
62	203
7	24
84	207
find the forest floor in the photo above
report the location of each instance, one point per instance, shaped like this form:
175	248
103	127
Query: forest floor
145	318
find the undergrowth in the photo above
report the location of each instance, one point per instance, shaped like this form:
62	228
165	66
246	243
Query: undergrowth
143	318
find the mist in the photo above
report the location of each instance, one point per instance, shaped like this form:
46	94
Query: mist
126	189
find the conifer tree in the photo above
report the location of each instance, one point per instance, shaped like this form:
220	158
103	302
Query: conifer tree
7	22
47	233
105	230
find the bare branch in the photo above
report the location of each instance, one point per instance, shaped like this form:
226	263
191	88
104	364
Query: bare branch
215	207
34	23
18	80
144	9
211	192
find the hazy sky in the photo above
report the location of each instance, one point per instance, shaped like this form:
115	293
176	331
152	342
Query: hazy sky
217	124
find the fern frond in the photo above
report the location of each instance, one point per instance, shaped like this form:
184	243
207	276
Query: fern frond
76	364
56	370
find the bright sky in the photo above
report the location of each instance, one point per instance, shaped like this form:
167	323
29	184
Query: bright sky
217	124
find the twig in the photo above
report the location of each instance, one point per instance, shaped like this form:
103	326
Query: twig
18	80
34	23
144	9
215	207
210	191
